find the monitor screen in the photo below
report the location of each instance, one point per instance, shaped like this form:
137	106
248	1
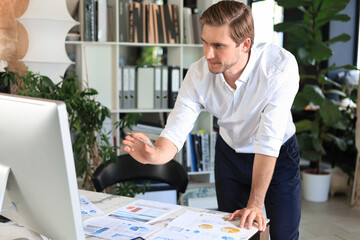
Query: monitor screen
35	145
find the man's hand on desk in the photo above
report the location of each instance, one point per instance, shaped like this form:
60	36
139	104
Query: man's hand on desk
250	215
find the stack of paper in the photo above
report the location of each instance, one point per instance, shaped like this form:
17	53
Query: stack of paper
203	226
129	221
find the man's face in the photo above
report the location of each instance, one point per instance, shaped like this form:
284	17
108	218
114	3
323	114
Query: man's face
220	50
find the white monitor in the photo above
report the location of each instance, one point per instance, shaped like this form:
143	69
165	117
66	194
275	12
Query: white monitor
35	146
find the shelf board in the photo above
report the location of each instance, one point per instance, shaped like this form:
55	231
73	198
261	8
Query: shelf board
132	110
193	45
200	173
131	44
200	185
139	110
90	43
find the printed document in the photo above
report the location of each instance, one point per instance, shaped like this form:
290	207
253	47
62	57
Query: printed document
88	208
114	229
203	226
144	211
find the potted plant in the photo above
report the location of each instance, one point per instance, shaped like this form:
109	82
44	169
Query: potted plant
86	117
329	120
129	188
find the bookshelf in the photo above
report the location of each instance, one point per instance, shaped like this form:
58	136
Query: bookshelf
97	62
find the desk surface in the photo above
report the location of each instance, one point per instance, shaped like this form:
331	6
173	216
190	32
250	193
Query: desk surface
107	203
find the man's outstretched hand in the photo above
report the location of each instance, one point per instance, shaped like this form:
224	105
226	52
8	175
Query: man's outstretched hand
139	146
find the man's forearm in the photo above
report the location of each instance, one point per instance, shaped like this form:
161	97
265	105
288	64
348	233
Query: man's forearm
263	170
165	150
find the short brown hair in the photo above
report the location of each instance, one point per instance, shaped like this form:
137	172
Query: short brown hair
236	14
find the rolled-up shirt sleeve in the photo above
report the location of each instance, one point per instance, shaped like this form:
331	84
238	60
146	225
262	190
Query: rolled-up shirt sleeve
274	117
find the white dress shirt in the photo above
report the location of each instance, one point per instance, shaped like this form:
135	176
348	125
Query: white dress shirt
254	118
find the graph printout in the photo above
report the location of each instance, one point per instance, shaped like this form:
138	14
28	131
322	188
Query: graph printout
116	229
144	211
88	208
203	226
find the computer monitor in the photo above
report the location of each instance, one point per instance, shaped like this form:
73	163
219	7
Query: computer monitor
35	145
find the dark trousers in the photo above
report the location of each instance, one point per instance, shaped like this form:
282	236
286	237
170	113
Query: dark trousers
233	175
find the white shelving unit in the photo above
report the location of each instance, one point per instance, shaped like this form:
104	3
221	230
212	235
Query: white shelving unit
98	63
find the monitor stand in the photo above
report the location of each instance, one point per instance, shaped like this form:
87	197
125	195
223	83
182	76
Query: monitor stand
4	174
37	236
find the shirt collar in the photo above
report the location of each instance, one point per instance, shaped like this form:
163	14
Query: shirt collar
245	74
249	67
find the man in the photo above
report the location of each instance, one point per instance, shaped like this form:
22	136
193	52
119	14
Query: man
250	88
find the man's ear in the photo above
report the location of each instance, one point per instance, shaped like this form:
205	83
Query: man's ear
245	46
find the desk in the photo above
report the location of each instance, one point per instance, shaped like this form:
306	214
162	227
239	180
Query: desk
107	203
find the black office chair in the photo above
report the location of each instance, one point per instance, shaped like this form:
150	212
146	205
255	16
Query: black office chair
128	169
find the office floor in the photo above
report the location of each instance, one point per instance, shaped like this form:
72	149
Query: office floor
331	220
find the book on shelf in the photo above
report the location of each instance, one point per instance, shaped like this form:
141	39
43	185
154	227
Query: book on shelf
125	87
111	21
197	27
157	87
148	22
190	153
186	155
132	87
171	20
205	150
102	10
198	153
97	19
188	26
176	20
197	150
163	23
90	20
173	84
128	85
192	27
156	23
152	23
145	87
213	136
137	22
124	20
148	87
120	87
164	87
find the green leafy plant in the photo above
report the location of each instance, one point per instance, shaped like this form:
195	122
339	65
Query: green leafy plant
307	43
130	189
91	145
150	56
129	120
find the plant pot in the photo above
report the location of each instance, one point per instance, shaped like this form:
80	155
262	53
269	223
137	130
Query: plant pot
315	187
339	182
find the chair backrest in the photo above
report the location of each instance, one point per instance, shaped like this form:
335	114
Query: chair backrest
128	169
